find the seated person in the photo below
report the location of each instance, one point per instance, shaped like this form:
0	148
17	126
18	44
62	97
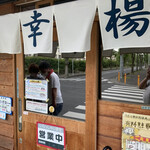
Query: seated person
145	84
34	72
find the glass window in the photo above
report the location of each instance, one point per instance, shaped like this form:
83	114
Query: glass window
66	75
124	76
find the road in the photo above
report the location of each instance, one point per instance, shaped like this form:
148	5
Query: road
73	91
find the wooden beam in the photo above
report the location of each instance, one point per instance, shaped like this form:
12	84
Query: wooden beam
6	8
44	3
92	90
14	103
107	53
134	50
19	3
20	70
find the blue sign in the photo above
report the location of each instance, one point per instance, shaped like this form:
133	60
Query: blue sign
145	107
5	105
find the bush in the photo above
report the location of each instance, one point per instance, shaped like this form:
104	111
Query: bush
108	63
79	65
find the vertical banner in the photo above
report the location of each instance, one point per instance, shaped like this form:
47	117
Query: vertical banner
10	41
74	21
37	29
124	23
135	132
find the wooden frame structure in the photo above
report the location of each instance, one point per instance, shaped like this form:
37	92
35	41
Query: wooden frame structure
101	128
80	135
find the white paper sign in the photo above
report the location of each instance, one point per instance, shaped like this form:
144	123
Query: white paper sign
135	131
3	115
37	29
37	107
135	145
51	136
36	89
5	104
124	23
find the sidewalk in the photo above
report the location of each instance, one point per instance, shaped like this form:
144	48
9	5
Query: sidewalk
132	79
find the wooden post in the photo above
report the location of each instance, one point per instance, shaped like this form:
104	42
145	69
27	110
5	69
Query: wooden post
15	104
92	90
20	71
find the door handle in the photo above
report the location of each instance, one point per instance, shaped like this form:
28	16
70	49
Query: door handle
107	148
20	114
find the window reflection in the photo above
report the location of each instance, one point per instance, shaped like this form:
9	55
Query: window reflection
125	77
66	86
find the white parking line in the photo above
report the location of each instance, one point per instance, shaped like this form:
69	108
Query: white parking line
126	90
122	92
127	87
82	107
110	82
122	99
75	115
122	95
104	80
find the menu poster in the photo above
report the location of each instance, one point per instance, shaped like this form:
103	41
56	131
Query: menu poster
36	89
135	132
37	107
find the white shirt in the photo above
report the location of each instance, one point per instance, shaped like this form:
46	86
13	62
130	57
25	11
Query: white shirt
55	83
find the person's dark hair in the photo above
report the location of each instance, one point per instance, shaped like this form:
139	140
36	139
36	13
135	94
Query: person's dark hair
44	65
33	68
